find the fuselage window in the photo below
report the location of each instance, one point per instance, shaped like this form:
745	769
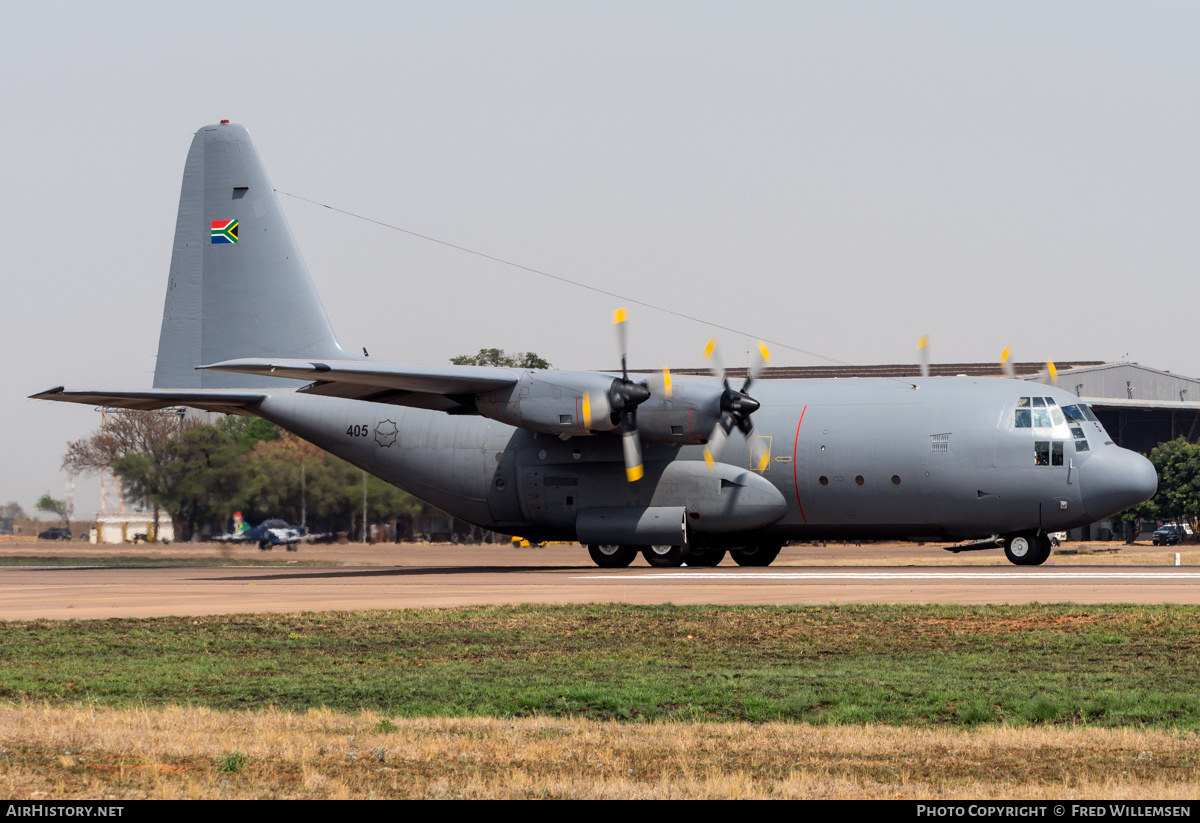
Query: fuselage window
1081	445
1056	453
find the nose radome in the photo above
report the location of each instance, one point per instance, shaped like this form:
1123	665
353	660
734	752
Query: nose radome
1113	479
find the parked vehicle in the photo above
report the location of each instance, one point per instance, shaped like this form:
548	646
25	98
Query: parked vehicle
1171	534
268	534
56	533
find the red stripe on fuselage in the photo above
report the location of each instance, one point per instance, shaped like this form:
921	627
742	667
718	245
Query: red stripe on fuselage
795	461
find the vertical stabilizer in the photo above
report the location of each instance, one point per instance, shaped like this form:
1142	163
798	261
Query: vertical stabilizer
238	286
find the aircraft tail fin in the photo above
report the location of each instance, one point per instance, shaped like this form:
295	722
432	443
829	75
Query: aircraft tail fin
238	286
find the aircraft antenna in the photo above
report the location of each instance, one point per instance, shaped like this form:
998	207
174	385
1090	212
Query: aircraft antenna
576	283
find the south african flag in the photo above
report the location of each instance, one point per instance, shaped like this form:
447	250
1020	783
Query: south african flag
224	231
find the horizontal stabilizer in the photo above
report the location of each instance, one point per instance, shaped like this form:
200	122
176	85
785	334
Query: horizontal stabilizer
427	387
226	401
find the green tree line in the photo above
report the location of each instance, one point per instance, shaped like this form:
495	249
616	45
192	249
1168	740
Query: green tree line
200	474
1178	497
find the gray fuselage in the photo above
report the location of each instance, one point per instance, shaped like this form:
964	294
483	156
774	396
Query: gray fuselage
857	458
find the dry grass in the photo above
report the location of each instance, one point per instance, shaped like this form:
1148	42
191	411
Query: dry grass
57	752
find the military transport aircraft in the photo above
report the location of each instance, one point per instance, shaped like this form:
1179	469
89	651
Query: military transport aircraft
681	470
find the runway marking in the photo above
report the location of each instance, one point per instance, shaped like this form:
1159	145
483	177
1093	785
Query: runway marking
1033	577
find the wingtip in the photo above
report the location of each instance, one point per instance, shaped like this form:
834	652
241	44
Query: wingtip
42	395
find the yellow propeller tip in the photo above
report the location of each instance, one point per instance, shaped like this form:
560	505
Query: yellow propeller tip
619	316
923	341
709	347
634	473
708	458
764	351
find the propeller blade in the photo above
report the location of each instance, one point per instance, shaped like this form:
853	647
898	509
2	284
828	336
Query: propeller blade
659	383
716	441
595	407
1006	364
632	447
761	359
759	454
923	354
622	338
713	357
1050	374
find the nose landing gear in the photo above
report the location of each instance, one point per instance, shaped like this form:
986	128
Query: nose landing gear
1027	548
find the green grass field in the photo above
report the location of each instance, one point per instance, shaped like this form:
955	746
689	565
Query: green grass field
907	665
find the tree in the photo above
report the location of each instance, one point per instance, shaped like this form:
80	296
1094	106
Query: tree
498	357
12	509
196	476
62	508
122	435
1177	463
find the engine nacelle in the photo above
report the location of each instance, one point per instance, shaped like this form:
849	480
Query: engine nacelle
687	417
552	402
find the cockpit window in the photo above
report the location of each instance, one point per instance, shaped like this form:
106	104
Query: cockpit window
1088	413
1073	414
1039	401
1041	418
1023	419
1049	401
1023	403
1057	416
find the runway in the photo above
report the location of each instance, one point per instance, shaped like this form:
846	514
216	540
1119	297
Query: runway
456	576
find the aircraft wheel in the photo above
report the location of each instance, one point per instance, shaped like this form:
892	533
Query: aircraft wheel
704	558
760	554
611	556
1025	549
264	546
663	556
1045	546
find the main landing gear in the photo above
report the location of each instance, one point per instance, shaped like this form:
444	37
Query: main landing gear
610	556
1027	548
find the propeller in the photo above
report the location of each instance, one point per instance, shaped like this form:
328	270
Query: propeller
736	407
1006	363
622	398
923	354
1050	375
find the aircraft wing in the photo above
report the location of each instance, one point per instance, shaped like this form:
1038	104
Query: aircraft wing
443	388
226	401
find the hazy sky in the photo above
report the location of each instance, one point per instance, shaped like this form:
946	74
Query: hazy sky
842	177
